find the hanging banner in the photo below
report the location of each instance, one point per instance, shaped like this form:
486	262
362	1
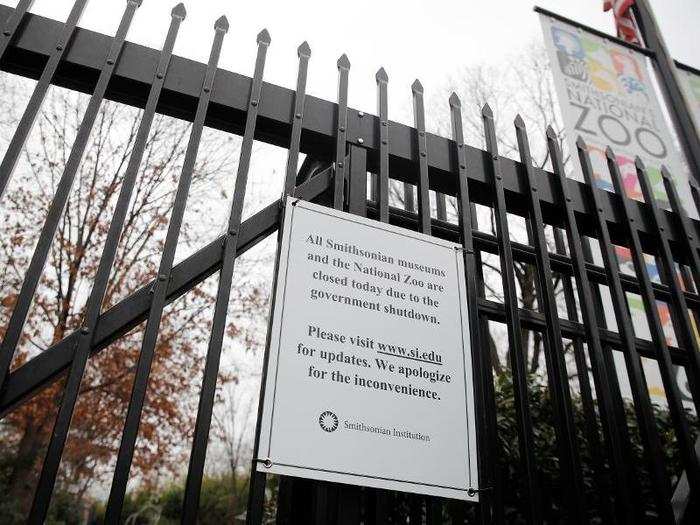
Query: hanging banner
369	376
607	98
690	84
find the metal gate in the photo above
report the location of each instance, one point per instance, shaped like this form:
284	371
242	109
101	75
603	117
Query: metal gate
343	146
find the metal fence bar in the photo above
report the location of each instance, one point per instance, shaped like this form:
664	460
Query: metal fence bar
11	25
409	201
570	462
26	122
526	443
350	496
256	490
673	395
17	143
138	392
341	131
159	290
422	147
357	188
640	393
304	53
424	225
381	500
195	471
593	441
612	409
493	512
383	111
441	206
481	357
47	478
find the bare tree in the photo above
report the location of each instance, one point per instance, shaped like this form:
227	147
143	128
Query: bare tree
520	85
67	279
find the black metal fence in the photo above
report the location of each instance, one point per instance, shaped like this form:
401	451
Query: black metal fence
345	146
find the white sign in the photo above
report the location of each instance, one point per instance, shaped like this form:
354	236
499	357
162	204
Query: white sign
369	378
607	98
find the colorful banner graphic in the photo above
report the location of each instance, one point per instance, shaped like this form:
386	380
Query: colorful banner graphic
607	98
641	330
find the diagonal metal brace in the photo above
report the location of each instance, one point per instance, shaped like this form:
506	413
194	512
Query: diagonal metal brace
41	371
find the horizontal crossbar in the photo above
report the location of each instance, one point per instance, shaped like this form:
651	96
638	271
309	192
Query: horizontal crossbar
48	366
131	82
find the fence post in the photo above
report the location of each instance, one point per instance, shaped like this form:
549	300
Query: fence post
678	108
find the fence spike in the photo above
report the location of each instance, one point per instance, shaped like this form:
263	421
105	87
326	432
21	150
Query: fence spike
383	111
304	49
179	11
519	123
264	37
665	173
610	154
221	24
454	101
343	62
341	132
421	142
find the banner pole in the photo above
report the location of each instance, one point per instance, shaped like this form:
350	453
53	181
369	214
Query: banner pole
680	113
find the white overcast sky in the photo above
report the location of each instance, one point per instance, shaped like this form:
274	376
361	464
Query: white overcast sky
410	38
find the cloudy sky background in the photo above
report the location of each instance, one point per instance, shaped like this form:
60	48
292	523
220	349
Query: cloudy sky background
412	39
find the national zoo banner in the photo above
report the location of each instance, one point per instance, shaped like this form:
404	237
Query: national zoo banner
607	97
690	83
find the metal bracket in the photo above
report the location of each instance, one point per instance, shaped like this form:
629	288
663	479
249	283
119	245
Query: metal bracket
471	491
267	462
